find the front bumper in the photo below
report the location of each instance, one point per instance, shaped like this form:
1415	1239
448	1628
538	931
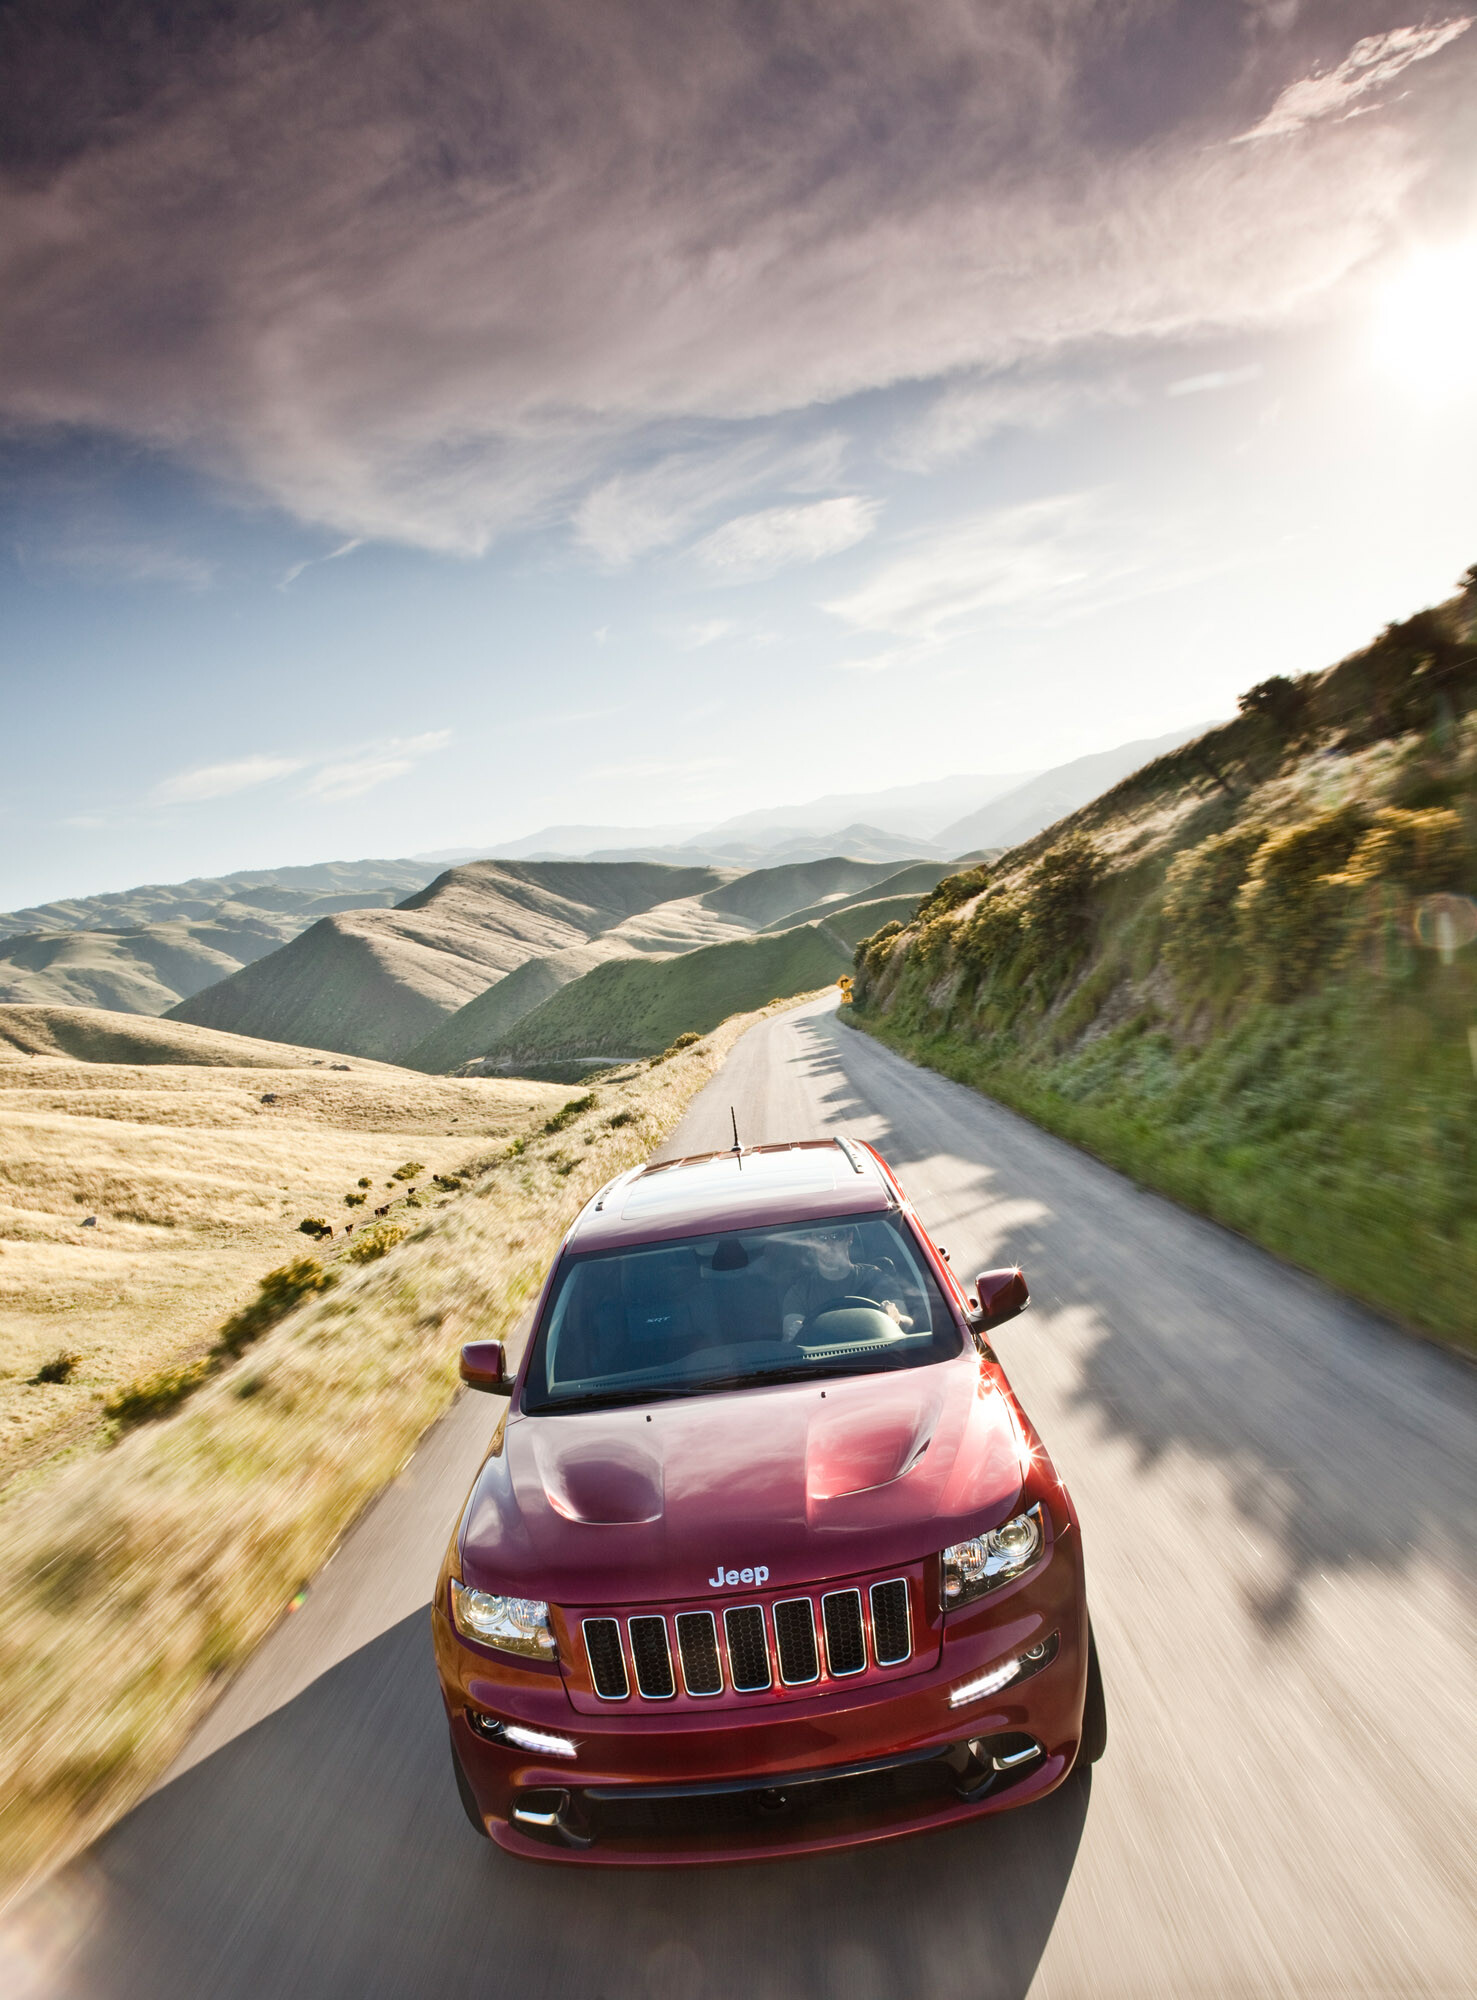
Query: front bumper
845	1768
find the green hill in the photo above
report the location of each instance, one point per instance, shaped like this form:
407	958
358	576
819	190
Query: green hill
765	894
914	881
376	982
639	1006
1247	973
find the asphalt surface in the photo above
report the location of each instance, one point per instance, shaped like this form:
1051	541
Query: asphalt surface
1279	1501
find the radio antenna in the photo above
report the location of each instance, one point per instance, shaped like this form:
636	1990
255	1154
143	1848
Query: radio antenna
734	1116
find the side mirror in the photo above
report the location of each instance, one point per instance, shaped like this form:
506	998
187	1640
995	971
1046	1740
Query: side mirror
1001	1294
483	1367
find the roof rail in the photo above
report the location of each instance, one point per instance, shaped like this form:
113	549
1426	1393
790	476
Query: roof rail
852	1154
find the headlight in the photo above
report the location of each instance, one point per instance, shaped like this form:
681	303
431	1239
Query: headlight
986	1561
512	1624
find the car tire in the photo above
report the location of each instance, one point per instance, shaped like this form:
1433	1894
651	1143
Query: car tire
465	1793
1094	1708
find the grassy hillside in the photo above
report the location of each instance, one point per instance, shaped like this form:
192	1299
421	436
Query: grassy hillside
376	982
195	1174
1248	973
915	881
635	1007
765	894
96	1035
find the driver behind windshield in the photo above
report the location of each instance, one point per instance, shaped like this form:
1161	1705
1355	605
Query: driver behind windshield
832	1274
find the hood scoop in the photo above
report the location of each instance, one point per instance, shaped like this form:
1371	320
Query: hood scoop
604	1482
858	1450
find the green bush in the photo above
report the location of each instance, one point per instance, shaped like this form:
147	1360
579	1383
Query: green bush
314	1225
1200	898
410	1171
951	892
277	1294
1423	851
376	1242
448	1183
58	1369
871	952
155	1395
365	1181
990	939
578	1106
1060	898
621	1118
353	1200
683	1041
1291	914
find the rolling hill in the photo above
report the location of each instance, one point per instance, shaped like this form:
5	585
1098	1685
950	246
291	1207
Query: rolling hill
144	950
377	982
1027	810
639	1006
96	1034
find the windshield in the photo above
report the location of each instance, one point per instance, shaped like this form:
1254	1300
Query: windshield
720	1312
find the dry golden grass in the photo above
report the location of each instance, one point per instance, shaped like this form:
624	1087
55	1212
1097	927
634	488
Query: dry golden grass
197	1188
133	1582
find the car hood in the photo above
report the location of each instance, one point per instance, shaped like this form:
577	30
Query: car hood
808	1481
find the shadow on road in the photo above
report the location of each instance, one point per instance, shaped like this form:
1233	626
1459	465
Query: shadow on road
1346	1444
323	1853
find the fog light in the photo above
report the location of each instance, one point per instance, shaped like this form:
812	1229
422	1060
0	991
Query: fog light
542	1742
1018	1668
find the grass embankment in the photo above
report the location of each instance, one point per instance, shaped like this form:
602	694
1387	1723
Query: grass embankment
1248	975
137	1580
140	1202
635	1006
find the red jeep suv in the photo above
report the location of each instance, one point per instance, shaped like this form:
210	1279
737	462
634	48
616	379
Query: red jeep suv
765	1556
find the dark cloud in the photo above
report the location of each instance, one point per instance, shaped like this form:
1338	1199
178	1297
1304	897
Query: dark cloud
425	269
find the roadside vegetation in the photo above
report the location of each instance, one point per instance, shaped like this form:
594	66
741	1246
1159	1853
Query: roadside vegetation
131	1583
142	1201
1247	975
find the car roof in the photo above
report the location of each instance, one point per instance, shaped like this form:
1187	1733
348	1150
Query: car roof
744	1188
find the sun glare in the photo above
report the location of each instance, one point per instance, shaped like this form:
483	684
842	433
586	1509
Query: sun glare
1425	332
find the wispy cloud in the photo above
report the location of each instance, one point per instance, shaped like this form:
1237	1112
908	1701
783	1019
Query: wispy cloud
375	764
1217	378
656	505
103	557
311	562
946	579
459	279
756	545
968	413
1339	92
219	781
359	770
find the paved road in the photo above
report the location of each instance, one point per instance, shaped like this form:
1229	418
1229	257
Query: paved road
1279	1504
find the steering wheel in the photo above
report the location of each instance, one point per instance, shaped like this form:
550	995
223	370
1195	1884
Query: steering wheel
844	1303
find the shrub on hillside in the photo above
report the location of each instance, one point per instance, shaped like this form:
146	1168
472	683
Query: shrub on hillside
58	1369
353	1200
315	1225
1291	912
1060	899
1423	851
871	951
277	1294
1281	702
409	1171
1200	898
155	1395
988	943
578	1106
376	1242
684	1041
952	891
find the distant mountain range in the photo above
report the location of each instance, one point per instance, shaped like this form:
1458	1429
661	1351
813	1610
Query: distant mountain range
383	957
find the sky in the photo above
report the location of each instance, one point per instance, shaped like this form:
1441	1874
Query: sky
423	422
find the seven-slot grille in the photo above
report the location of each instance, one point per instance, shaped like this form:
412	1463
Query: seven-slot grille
790	1639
